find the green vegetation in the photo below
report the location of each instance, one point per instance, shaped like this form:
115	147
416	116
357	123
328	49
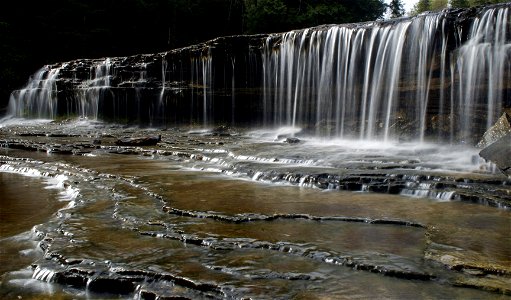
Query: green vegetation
282	15
433	5
396	9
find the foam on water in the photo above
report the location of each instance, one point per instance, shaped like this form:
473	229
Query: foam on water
14	121
53	181
330	152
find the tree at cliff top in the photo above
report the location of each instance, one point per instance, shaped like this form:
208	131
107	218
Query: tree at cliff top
420	7
283	15
459	3
396	9
438	4
435	5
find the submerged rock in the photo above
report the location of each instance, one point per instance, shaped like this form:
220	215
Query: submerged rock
139	141
497	131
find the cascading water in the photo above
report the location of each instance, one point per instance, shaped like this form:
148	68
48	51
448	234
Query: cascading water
482	68
38	98
158	110
92	90
233	92
207	82
428	77
201	84
362	81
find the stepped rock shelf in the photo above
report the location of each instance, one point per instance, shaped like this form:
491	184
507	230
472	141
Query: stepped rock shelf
440	76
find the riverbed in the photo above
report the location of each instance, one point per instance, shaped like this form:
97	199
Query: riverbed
238	213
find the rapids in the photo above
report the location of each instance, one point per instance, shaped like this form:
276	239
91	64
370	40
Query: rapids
227	213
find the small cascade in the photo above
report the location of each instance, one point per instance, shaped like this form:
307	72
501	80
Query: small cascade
418	189
38	99
91	91
233	91
207	87
157	111
43	274
481	69
139	84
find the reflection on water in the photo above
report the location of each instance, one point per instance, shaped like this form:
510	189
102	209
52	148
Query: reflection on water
186	218
25	202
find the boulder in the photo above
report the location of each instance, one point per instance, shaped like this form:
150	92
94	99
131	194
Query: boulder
497	131
499	152
138	141
221	130
292	140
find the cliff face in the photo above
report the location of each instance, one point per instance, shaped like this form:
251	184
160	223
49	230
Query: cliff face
148	89
444	75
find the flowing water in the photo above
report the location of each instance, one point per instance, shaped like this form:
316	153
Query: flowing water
438	76
237	214
361	81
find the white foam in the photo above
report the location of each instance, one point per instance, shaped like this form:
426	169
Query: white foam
12	121
58	181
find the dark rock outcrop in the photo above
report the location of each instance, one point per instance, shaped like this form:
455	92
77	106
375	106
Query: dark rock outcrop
292	140
139	141
499	153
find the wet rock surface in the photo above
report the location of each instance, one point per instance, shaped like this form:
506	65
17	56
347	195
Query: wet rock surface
497	144
262	222
500	129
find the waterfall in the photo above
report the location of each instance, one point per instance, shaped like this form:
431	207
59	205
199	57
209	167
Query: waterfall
233	91
365	81
442	76
138	85
330	78
201	83
90	92
207	87
157	111
38	98
480	69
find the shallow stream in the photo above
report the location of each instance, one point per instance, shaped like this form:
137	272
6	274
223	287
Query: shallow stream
245	214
